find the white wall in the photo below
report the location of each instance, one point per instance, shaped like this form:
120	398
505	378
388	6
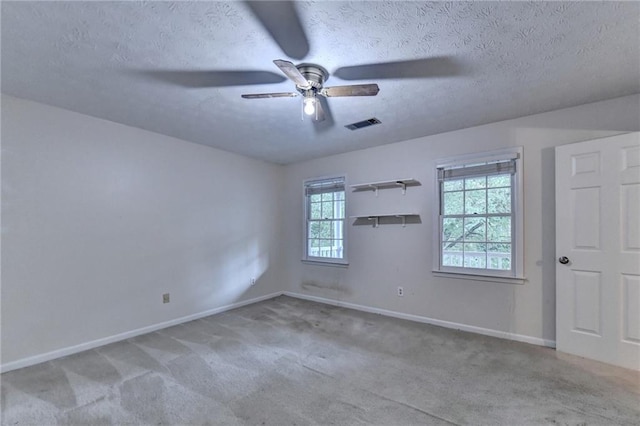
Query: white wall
101	219
390	256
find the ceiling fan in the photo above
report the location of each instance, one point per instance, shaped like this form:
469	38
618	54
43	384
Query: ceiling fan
309	80
280	19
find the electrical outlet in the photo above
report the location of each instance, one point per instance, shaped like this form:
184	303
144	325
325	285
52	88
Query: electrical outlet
253	281
165	298
400	291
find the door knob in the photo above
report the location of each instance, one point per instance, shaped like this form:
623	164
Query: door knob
564	260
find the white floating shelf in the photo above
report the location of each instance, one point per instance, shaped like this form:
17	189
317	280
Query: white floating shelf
376	217
385	184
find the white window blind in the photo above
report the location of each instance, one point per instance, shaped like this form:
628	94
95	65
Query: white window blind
324	186
476	170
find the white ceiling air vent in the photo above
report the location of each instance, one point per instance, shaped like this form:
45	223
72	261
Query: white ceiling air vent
361	124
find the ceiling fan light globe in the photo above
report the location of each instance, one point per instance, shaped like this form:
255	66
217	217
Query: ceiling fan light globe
309	106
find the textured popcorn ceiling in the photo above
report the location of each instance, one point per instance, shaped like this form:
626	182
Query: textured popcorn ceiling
506	59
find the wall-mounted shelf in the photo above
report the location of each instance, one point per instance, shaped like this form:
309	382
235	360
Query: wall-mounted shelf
385	184
375	218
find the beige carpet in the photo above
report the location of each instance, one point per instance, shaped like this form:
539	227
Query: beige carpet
292	362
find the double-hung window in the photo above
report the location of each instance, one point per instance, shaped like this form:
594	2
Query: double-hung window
325	220
480	215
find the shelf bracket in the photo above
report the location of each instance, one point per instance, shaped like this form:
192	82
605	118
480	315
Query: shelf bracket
375	219
403	185
404	220
375	189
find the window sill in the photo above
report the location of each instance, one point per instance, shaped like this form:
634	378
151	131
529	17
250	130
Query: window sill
474	277
334	263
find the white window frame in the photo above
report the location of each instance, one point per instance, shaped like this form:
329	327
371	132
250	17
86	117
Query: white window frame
327	261
516	274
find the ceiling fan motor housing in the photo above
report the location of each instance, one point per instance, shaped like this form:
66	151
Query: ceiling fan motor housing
315	75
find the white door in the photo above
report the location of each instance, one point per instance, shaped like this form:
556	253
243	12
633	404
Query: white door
598	249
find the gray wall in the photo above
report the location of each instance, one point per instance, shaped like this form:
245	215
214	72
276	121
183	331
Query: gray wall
100	219
390	256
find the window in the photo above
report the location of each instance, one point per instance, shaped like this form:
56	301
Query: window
325	220
480	215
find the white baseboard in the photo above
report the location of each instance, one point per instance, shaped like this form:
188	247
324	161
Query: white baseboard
447	324
58	353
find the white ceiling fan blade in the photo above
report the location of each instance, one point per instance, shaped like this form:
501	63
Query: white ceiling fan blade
292	72
212	78
437	66
327	123
269	95
353	90
282	22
